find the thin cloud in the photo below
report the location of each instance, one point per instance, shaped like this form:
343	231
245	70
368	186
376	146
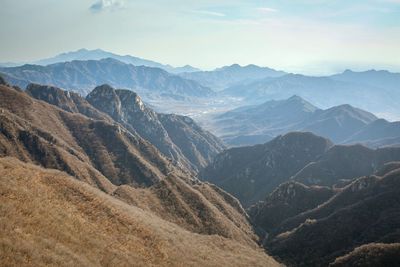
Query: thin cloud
102	5
209	13
267	10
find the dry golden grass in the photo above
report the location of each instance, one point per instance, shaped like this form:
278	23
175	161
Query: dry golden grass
50	218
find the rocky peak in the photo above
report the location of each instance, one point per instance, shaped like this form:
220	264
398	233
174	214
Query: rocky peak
105	99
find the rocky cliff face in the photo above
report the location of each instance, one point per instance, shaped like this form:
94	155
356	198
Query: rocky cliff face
177	137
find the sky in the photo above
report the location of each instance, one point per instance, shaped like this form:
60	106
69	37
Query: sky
304	36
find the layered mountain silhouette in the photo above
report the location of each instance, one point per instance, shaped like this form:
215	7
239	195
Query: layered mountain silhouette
127	190
225	77
83	75
367	90
97	54
250	173
342	124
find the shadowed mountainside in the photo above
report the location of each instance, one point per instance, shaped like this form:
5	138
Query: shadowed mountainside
250	173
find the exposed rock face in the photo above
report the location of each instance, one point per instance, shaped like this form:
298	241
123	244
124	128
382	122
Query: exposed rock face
176	137
250	173
68	101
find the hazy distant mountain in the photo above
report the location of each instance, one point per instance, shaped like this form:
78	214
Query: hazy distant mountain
97	54
260	123
250	173
322	91
227	76
376	78
83	76
378	133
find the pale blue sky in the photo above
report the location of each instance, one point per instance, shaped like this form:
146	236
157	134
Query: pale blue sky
307	36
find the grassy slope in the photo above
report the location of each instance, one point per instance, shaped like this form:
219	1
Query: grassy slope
50	218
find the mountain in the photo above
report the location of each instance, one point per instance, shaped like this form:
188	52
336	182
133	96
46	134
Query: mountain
108	188
378	133
287	200
376	78
82	76
322	91
177	137
343	163
53	219
250	173
275	117
371	255
97	54
222	78
364	212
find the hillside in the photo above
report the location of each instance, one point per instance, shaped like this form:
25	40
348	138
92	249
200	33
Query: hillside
287	200
50	218
250	173
365	211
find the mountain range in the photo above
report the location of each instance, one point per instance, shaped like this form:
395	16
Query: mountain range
177	137
341	124
225	77
106	195
250	173
375	91
97	54
82	76
341	207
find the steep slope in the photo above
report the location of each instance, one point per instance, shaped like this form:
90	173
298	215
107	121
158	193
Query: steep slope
371	255
82	76
293	114
227	76
344	163
250	173
287	200
66	100
88	149
121	163
49	218
365	211
178	137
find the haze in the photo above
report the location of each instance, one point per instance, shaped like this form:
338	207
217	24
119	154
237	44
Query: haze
306	36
